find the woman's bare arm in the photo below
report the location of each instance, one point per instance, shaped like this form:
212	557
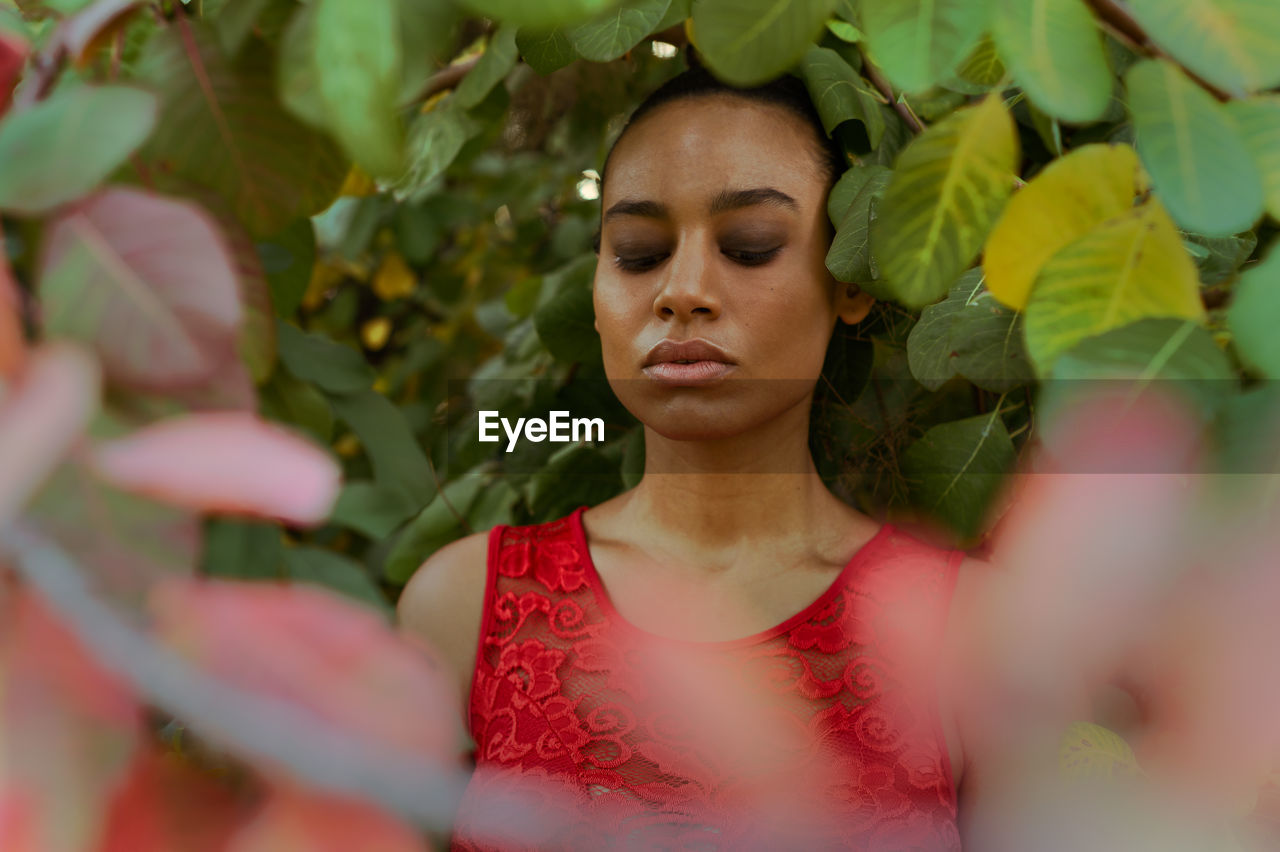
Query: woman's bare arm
443	602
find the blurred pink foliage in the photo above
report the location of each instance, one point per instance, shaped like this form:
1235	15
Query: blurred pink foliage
227	461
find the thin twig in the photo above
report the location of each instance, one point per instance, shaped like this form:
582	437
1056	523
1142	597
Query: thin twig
878	80
1117	21
445	78
462	522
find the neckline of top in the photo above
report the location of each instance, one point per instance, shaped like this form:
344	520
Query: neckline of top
606	602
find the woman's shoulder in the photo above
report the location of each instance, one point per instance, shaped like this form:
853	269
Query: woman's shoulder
443	602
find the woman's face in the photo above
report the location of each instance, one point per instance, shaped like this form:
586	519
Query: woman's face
712	297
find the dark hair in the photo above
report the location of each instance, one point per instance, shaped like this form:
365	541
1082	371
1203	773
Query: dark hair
787	91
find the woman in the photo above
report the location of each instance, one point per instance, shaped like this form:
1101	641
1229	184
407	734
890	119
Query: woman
726	656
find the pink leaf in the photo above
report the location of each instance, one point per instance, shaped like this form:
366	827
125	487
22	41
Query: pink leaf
296	818
68	726
228	461
17	822
41	417
92	24
149	281
325	658
162	806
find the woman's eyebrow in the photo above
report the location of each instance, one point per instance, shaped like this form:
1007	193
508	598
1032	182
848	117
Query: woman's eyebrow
725	200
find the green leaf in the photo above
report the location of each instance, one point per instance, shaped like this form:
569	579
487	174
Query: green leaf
1230	43
1245	430
235	20
956	469
389	443
840	93
498	59
543	14
290	400
746	42
358	64
342	574
62	147
287	258
523	296
918	43
849	258
577	475
1131	267
845	31
677	12
1219	258
949	186
237	549
1254	316
545	51
847	189
971	335
1257	120
633	458
435	139
1175	356
618	30
439	522
372	509
494	505
330	366
566	322
1054	50
980	70
1197	161
222	130
428	30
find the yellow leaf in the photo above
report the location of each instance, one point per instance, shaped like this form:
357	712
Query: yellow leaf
394	279
375	333
358	183
1072	196
1131	267
430	103
325	275
1087	750
948	188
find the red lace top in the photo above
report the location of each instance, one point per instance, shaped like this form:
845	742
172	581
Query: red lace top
820	733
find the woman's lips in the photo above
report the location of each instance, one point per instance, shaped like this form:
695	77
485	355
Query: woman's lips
686	363
677	374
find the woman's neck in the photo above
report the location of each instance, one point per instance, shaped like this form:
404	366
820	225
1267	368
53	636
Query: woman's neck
756	489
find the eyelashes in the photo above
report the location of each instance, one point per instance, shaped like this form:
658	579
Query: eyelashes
644	263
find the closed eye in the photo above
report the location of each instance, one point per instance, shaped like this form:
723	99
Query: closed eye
638	264
752	258
648	262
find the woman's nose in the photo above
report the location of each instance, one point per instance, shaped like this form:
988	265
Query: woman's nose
688	287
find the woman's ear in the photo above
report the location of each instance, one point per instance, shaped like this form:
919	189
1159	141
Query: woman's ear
852	304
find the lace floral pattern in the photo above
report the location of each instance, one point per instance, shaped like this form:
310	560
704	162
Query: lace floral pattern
822	733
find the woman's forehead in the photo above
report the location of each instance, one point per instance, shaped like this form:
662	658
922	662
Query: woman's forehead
703	145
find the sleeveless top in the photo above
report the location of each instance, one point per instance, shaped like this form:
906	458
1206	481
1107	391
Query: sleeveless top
822	732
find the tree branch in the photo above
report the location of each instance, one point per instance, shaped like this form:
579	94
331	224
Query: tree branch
878	80
445	79
1122	26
